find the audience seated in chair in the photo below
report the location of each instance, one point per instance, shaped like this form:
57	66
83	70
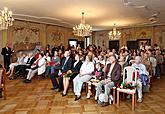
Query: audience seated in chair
21	68
21	60
74	71
143	77
112	77
85	75
39	67
55	66
66	65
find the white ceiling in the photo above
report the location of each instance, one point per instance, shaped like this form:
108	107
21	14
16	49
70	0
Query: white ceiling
100	14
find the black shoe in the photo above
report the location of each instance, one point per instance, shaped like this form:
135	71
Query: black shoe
77	98
26	81
105	104
59	90
63	94
54	88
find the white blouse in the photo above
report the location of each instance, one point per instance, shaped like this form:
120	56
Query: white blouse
87	68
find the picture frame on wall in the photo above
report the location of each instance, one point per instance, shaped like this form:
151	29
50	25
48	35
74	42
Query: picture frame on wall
73	42
143	41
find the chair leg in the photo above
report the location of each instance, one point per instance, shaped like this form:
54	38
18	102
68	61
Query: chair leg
114	98
86	87
4	93
133	102
135	99
118	102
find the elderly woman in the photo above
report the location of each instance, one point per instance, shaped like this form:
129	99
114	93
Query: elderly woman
142	78
86	70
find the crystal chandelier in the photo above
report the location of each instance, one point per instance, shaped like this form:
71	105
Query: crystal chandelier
82	29
114	34
6	18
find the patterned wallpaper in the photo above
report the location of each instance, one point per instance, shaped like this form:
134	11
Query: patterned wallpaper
23	32
156	34
29	32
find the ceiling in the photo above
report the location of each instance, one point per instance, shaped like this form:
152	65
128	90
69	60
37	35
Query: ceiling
100	14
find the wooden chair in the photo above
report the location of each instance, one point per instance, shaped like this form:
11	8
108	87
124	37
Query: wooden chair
128	77
2	81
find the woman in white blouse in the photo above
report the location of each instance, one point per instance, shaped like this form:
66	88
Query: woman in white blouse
21	59
84	76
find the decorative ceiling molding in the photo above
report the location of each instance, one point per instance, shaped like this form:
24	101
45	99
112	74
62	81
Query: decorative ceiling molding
45	20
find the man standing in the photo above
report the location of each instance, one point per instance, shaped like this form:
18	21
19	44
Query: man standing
6	52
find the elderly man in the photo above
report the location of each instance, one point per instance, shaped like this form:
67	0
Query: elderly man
142	78
112	77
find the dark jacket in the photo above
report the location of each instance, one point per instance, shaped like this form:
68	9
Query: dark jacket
6	53
76	69
115	74
68	65
30	61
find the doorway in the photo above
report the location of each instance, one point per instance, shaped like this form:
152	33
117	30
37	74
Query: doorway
114	45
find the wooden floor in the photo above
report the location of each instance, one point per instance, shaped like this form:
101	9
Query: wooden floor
37	98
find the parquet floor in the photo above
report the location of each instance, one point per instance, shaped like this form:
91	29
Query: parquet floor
37	98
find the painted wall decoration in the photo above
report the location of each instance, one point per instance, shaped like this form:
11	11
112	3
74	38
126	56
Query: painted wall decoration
25	34
101	39
143	33
160	35
55	37
155	33
127	34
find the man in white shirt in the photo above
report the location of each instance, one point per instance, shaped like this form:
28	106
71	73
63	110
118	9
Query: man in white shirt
142	78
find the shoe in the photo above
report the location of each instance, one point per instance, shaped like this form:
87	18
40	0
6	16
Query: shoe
105	104
158	78
11	78
26	81
77	98
59	90
111	97
88	95
63	94
52	88
95	98
139	100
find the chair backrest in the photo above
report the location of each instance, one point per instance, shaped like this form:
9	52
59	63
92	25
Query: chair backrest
130	74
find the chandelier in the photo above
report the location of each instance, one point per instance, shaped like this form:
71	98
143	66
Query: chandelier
114	34
6	18
82	29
